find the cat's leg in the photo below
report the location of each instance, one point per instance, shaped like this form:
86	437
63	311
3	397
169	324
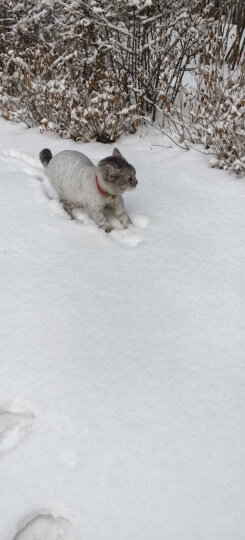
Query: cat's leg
120	212
100	220
68	208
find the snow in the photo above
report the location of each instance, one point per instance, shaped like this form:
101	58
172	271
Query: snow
122	355
14	424
48	527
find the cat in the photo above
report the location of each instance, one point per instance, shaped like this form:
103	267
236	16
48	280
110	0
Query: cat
79	182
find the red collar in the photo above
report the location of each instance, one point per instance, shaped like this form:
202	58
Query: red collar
105	195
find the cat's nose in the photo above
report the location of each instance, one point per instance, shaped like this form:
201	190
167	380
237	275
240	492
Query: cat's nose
135	182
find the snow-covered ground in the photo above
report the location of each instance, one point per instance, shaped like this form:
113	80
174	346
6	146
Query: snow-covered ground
122	355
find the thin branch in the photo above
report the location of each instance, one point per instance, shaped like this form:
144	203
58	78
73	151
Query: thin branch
164	133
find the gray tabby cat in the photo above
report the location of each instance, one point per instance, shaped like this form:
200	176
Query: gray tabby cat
79	182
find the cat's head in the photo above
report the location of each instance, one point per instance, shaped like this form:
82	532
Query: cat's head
117	174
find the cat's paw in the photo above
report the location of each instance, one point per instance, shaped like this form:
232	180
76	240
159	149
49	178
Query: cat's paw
126	224
125	221
106	227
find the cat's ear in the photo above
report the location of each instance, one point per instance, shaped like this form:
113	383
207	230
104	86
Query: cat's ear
111	170
116	153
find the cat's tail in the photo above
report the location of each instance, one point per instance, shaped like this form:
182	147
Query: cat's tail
45	157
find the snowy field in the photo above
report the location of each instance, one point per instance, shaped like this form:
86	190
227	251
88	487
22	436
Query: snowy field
122	355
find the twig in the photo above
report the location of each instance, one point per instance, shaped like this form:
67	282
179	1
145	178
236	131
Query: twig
167	135
182	147
162	145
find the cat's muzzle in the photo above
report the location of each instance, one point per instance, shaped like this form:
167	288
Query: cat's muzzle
134	183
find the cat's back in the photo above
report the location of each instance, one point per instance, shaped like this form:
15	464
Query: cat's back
68	171
68	158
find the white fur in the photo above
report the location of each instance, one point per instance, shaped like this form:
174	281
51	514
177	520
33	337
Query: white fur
73	176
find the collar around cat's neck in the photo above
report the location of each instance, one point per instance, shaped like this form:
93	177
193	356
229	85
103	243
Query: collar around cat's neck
105	195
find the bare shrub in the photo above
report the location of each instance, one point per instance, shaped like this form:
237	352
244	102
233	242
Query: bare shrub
216	109
95	69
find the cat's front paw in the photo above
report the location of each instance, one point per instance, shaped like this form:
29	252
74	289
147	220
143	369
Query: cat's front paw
126	222
107	228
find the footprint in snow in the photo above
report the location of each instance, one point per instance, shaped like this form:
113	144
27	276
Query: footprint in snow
15	424
126	237
140	221
46	527
23	161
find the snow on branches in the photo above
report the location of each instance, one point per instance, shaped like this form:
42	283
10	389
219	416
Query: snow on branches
95	68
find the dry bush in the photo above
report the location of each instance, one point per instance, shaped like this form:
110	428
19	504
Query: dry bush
94	69
134	53
216	109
